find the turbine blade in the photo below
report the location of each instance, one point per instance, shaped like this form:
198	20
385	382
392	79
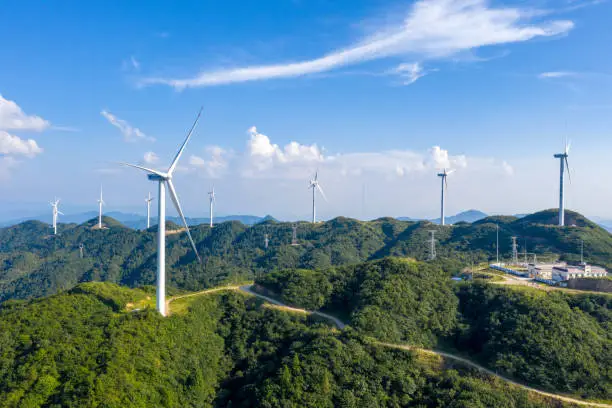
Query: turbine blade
445	183
148	170
322	193
180	152
177	205
60	213
569	173
567	146
451	171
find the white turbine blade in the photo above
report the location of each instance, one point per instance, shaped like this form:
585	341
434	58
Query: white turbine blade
451	171
569	174
567	146
321	191
148	170
180	152
177	205
60	213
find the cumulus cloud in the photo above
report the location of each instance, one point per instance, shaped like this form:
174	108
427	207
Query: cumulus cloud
12	117
130	133
440	159
150	158
15	146
215	162
432	29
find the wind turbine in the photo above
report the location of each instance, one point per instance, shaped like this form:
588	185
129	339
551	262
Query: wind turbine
100	204
165	179
148	201
443	176
314	184
563	165
54	204
211	197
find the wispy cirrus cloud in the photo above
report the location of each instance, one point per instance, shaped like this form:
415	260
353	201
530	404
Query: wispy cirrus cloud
130	133
432	29
557	74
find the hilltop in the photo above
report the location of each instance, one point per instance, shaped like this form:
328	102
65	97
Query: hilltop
100	344
34	263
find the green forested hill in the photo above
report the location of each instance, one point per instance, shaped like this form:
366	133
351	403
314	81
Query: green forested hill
82	348
555	340
35	263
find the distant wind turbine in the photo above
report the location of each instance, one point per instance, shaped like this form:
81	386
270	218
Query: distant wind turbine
443	176
563	165
100	204
211	197
54	204
314	184
165	179
148	201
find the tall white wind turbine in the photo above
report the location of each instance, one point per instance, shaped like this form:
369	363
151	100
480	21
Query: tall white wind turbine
211	197
443	176
563	165
314	184
100	204
148	201
56	211
164	180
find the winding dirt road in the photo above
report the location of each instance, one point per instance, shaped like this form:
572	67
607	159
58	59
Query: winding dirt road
248	289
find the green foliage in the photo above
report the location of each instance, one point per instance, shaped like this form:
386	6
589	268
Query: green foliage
558	341
34	263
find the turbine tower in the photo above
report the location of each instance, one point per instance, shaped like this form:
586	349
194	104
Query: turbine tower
443	176
211	198
100	204
54	204
148	201
563	165
314	184
164	180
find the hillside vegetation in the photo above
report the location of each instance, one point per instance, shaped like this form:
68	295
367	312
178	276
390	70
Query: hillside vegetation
554	340
81	348
34	263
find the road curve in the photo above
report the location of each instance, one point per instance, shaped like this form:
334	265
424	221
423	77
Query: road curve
341	325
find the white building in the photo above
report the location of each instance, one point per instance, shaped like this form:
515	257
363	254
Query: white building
543	271
563	273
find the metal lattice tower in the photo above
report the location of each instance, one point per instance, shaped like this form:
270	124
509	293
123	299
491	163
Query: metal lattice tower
294	236
514	251
266	240
432	245
81	250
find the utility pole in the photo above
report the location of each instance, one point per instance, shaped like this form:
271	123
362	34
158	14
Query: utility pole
525	251
432	245
266	240
294	236
582	251
81	250
514	251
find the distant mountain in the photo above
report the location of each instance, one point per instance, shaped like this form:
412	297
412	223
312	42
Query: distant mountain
465	216
132	220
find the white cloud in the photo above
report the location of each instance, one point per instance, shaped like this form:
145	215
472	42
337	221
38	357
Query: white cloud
410	72
214	164
432	29
150	158
13	118
7	163
130	133
135	63
440	159
507	168
15	146
556	74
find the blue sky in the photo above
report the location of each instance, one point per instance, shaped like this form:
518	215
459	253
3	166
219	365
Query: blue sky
377	95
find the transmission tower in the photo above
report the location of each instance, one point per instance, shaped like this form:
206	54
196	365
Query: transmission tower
81	250
432	245
294	236
514	251
266	240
